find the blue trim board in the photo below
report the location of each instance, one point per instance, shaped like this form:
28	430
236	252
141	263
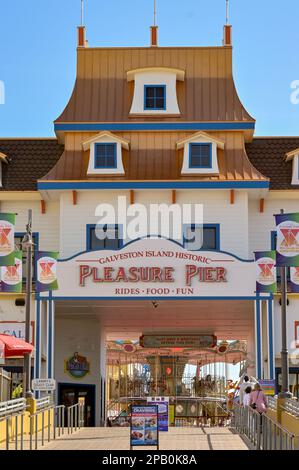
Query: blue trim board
67	185
153	126
37	360
50	337
258	340
271	358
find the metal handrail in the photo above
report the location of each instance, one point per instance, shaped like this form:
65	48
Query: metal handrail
44	402
75	417
292	406
272	403
58	423
262	431
19	437
12	406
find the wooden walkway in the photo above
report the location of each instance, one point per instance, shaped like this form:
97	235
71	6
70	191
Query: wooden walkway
175	439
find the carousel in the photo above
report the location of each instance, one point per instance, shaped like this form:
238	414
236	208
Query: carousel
196	382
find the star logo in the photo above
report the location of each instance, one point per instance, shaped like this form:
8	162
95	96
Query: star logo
4	237
266	270
290	237
47	273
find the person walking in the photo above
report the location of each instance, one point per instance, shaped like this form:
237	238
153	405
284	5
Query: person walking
258	400
246	398
247	382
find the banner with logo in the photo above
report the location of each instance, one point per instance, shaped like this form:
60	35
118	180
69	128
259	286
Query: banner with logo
295	280
46	271
266	279
11	276
7	239
287	226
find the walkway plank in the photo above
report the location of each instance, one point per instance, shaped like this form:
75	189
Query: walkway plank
175	439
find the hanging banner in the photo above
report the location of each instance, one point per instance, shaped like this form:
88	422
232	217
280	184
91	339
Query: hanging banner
46	271
287	226
266	279
11	276
295	280
7	239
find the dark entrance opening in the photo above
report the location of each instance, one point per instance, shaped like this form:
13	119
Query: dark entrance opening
71	394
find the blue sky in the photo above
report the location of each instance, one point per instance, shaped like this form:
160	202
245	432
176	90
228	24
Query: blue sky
38	52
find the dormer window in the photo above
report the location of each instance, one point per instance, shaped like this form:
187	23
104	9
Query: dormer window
3	159
200	154
155	97
105	154
294	156
155	91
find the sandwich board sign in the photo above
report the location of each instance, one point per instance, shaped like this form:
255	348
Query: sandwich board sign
144	429
163	411
43	385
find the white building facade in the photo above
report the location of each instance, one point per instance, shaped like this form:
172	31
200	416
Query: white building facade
155	126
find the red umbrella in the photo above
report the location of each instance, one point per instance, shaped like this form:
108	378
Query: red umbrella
14	347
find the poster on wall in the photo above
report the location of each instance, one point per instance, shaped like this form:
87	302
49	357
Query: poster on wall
11	276
294	273
268	387
287	226
46	271
144	426
266	277
7	239
163	411
77	366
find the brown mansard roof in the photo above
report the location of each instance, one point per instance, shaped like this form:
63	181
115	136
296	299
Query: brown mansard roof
153	156
102	93
28	161
267	154
31	159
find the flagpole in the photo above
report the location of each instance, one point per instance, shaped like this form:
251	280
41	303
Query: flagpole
285	382
27	244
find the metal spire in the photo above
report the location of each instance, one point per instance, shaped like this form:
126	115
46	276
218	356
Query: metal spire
82	12
227	11
155	12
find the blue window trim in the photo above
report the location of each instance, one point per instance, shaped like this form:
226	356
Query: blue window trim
215	226
199	144
155	126
36	248
91	226
154	109
100	167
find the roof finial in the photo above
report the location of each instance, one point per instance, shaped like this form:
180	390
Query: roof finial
82	12
227	11
154	28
